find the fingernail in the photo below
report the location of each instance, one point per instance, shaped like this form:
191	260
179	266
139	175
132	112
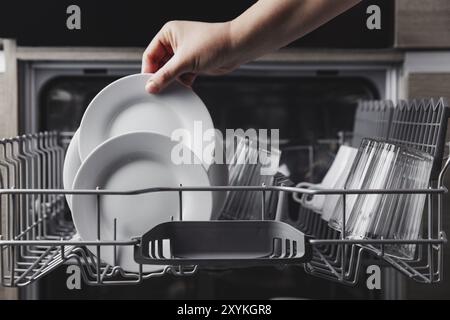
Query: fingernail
151	87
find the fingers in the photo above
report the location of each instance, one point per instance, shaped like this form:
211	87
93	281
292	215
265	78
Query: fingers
166	74
166	60
157	52
154	56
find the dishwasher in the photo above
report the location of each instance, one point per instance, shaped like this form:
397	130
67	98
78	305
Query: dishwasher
38	236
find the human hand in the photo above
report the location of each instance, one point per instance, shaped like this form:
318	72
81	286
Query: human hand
183	49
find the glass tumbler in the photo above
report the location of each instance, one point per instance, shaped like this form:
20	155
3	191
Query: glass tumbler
371	208
407	217
364	163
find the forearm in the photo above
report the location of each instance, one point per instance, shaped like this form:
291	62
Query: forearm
271	24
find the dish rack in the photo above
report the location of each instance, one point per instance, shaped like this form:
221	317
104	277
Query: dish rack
420	124
37	234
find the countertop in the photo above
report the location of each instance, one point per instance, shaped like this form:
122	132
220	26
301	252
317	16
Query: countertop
287	55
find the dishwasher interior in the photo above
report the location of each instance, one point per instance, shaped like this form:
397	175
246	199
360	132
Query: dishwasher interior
315	116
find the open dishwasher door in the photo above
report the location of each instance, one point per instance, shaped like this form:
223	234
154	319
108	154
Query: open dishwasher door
311	104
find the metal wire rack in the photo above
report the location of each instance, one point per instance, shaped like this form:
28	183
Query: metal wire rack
373	116
37	234
340	259
420	124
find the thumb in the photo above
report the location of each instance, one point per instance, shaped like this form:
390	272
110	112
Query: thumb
166	74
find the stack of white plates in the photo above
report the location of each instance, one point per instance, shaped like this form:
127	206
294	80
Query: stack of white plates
124	142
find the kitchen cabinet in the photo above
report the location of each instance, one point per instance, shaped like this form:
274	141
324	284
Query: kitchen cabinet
426	84
422	24
8	92
8	116
429	85
5	293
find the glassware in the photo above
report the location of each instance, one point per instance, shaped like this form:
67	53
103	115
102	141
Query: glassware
381	165
407	220
368	208
246	168
362	165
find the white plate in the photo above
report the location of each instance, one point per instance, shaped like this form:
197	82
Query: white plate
72	163
217	174
124	106
131	161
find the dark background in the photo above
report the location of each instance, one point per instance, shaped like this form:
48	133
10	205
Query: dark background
135	22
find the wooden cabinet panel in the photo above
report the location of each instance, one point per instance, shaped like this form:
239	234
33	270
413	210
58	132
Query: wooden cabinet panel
5	293
8	120
8	92
422	24
429	85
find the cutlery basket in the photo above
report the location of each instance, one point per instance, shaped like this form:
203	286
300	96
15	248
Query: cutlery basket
37	234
